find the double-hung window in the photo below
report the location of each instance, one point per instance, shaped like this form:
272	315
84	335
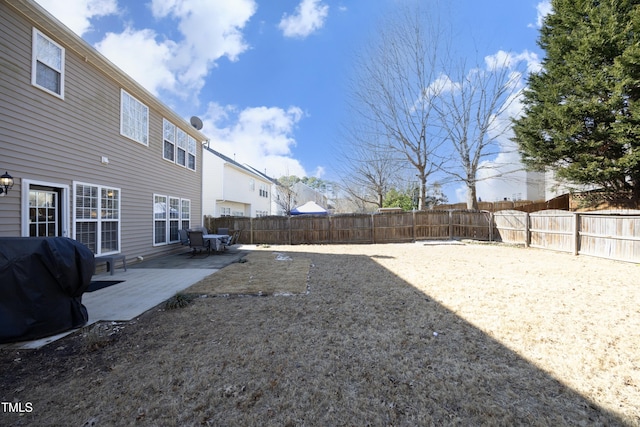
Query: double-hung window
47	68
181	154
169	130
97	217
191	155
169	215
134	118
178	146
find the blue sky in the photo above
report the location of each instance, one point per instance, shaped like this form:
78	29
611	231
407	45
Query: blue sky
269	77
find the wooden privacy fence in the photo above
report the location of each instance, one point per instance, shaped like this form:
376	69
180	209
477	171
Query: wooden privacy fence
606	235
358	228
613	235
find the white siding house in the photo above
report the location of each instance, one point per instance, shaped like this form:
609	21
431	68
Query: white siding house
94	156
232	189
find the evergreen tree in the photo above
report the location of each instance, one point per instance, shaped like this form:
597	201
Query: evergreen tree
582	111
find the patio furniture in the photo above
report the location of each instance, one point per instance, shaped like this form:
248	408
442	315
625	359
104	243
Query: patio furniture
217	241
183	235
234	238
197	243
111	261
224	231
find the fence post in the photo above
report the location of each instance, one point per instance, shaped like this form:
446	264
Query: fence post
251	230
576	233
527	230
289	222
413	219
450	225
491	226
373	230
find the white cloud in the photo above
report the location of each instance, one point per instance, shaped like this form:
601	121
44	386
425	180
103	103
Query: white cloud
261	137
502	59
149	64
309	17
543	9
76	14
208	31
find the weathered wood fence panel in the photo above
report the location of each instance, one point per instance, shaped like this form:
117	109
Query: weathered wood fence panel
610	236
307	229
553	229
512	226
432	225
477	225
271	230
393	228
351	228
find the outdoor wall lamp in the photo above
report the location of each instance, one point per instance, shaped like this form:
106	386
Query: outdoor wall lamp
6	183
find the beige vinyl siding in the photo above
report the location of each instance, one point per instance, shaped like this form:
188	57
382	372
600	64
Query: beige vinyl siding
46	138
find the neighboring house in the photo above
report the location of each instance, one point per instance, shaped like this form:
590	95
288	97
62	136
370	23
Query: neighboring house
95	157
304	193
232	189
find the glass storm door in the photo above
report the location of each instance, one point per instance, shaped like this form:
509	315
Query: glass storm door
43	213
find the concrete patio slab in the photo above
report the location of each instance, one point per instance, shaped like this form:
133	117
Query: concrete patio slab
145	285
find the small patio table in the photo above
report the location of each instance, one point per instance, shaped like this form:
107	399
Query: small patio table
218	241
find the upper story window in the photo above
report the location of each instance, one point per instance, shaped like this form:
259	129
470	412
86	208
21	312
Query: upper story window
179	147
47	70
169	151
191	153
134	118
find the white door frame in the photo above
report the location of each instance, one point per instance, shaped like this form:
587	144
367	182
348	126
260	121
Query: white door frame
63	205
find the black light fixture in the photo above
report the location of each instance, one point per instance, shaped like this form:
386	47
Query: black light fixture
6	183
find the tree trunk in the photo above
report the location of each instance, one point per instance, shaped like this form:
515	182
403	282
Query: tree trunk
472	199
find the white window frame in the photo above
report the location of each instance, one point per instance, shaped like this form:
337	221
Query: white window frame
184	145
183	216
191	153
169	138
185	213
182	141
99	220
35	58
64	204
136	127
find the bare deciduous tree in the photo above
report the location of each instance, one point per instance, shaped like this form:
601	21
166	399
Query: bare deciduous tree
472	110
368	168
393	95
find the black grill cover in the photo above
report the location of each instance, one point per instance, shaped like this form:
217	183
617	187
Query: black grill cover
42	280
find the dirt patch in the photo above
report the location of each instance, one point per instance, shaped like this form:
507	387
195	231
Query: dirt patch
402	334
259	273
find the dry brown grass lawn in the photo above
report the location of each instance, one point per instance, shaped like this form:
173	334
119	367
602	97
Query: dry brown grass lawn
403	335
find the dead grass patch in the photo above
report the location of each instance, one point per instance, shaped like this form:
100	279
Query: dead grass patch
261	273
398	335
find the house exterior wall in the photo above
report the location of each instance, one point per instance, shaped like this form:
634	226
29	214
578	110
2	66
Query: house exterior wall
49	141
235	190
212	179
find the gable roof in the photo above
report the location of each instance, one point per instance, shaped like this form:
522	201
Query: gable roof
229	160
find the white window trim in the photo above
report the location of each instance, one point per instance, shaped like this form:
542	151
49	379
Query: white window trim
145	143
191	142
168	219
98	221
34	60
25	185
164	121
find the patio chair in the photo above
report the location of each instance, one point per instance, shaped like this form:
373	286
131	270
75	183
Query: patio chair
234	238
183	235
198	244
224	231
